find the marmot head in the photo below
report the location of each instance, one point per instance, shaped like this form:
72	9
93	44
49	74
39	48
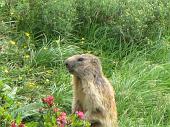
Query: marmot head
84	65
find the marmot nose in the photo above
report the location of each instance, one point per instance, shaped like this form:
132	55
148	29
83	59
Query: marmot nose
68	65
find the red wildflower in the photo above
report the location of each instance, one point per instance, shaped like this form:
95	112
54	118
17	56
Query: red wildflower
62	125
13	124
80	114
61	120
63	114
48	100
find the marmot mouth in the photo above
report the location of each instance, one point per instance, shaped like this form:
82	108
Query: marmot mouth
70	69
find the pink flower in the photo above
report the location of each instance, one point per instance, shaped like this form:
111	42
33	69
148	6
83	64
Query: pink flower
48	100
61	120
80	114
62	125
13	124
63	114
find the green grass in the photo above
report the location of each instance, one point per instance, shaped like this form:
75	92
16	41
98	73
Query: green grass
134	47
141	81
141	88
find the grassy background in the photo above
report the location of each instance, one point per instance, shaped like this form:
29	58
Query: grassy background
132	39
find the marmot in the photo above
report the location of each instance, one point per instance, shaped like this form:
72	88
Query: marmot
92	92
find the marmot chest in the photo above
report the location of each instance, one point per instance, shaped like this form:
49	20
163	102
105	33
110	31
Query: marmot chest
86	99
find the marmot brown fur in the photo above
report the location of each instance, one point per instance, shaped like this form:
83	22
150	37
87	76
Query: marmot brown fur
92	92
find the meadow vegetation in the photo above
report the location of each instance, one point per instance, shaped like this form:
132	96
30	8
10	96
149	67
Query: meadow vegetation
131	37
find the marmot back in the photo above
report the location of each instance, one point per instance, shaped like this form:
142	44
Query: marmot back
92	92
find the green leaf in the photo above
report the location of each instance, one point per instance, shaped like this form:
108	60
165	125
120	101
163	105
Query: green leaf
18	118
32	124
1	84
48	124
12	94
1	111
53	120
27	110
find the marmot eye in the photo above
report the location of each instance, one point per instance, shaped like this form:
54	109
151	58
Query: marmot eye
80	59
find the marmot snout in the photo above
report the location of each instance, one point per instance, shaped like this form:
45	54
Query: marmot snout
92	92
